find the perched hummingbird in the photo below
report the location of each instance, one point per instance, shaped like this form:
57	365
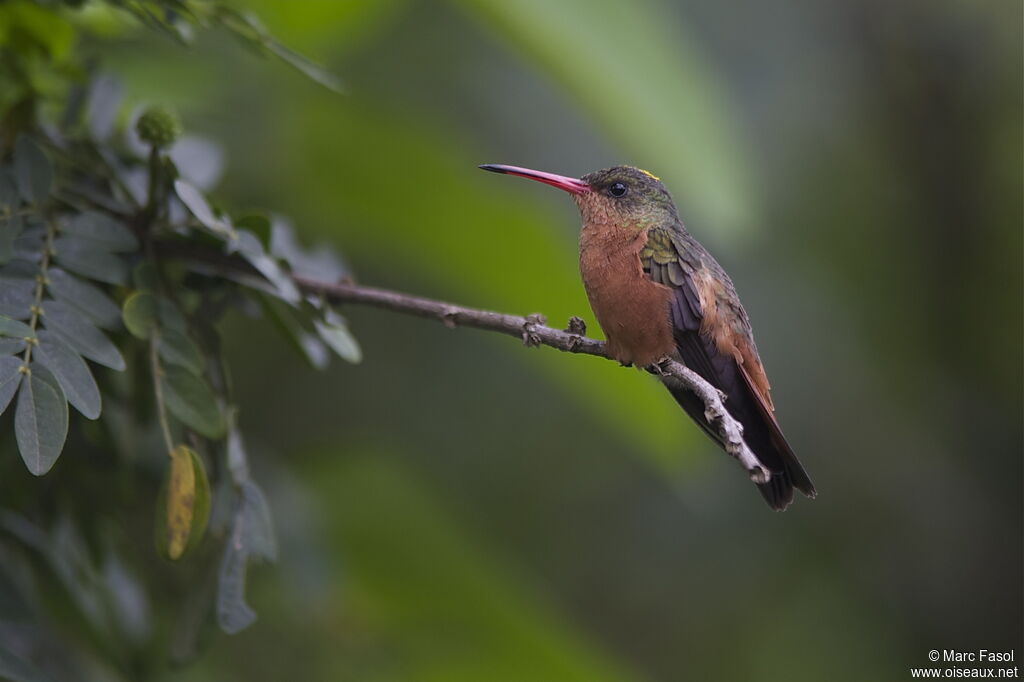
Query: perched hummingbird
657	293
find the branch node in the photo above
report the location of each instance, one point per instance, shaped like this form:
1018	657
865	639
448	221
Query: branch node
531	339
449	317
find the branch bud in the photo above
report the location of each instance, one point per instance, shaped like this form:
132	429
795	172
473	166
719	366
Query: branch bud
158	127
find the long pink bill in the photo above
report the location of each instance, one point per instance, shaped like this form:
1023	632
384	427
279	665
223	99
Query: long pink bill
570	185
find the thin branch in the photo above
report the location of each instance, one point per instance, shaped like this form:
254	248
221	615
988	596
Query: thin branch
36	309
533	332
531	329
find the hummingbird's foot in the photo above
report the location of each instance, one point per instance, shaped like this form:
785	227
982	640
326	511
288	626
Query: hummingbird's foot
576	326
661	368
530	337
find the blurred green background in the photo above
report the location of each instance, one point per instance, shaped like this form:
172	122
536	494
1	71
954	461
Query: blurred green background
461	508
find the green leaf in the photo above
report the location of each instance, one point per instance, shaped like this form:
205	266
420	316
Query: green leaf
198	160
16	297
90	259
32	171
140	314
318	263
71	371
82	335
170	317
284	320
103	231
28	245
203	503
10	378
89	299
20	269
258	534
312	70
184	505
233	613
170	23
252	537
9	327
334	331
200	208
248	244
9	346
190	399
44	28
176	348
40	420
249	28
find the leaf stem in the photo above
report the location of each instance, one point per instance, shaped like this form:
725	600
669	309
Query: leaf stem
158	390
36	308
150	210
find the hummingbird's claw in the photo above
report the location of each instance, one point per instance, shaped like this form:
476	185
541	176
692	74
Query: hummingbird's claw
661	367
576	326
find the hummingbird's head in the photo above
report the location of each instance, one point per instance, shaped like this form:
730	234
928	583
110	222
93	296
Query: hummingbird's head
629	196
625	195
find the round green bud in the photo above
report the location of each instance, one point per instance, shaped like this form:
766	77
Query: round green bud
158	127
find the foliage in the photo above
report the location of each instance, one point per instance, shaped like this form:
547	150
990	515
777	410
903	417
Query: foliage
460	508
113	256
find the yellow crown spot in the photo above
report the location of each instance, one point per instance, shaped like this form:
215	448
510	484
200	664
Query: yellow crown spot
649	174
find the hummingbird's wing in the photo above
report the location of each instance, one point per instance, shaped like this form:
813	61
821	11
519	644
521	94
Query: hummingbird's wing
717	344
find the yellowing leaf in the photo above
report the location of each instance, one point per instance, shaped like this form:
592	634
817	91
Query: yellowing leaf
181	499
184	505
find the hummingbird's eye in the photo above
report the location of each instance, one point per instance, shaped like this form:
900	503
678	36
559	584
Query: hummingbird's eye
618	189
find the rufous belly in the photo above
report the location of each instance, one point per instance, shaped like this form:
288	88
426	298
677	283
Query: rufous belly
632	310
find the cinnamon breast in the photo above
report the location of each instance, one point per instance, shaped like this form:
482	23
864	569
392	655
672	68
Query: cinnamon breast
633	311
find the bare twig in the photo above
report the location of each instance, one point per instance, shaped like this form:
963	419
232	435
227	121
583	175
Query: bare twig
534	332
531	329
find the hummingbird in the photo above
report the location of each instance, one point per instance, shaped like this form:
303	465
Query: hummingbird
657	293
